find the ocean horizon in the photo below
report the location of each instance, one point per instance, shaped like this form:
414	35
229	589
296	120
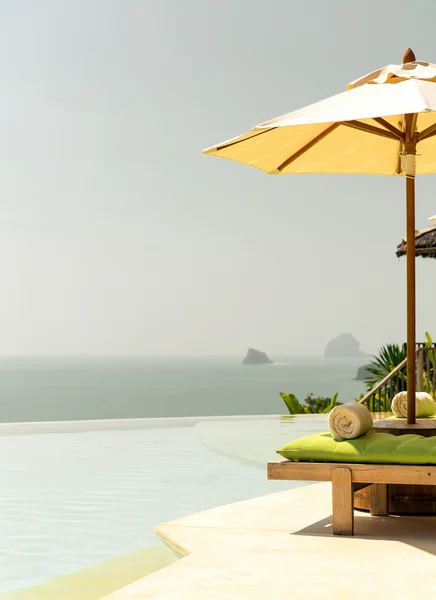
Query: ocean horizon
109	387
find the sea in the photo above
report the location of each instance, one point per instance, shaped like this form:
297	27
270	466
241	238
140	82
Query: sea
69	389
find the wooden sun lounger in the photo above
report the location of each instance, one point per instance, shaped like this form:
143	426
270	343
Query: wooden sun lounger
349	478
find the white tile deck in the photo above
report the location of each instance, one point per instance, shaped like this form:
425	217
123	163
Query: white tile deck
281	546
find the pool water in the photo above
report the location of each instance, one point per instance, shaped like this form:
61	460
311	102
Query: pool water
92	492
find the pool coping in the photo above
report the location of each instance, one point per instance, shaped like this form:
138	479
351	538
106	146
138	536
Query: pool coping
31	427
282	543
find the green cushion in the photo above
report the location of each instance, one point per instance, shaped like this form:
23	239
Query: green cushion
378	448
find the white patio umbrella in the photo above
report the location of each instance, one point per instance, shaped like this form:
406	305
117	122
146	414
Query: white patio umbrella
384	124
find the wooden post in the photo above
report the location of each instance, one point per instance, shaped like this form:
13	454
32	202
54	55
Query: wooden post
342	490
379	500
410	148
420	371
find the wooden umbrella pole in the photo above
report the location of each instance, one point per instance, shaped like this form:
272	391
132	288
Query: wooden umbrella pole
411	301
409	167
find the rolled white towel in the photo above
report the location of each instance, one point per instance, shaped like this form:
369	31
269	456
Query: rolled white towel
349	421
424	404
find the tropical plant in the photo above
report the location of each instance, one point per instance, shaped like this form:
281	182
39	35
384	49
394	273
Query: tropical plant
320	404
429	373
388	357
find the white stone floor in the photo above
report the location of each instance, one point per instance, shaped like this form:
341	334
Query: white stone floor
281	547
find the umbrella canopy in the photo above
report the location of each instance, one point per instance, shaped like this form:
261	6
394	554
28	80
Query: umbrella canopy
331	136
384	124
425	243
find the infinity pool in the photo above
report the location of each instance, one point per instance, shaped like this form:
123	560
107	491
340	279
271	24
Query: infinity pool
76	494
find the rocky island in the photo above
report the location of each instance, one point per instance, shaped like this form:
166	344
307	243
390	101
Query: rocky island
344	345
255	357
363	374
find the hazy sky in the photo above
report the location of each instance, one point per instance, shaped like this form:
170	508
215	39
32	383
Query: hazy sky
119	237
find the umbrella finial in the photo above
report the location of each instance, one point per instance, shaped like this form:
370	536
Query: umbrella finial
409	56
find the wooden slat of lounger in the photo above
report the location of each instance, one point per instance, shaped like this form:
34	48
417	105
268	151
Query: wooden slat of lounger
360	473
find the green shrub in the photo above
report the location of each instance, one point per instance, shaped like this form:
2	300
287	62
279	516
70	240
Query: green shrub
313	405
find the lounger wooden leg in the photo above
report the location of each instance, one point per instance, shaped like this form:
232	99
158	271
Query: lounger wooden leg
343	515
379	500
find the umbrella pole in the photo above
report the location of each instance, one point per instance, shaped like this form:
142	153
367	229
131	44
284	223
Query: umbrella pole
409	167
411	299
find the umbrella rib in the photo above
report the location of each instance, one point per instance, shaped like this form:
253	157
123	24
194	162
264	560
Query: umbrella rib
238	141
399	167
371	129
397	132
426	133
307	147
354	125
